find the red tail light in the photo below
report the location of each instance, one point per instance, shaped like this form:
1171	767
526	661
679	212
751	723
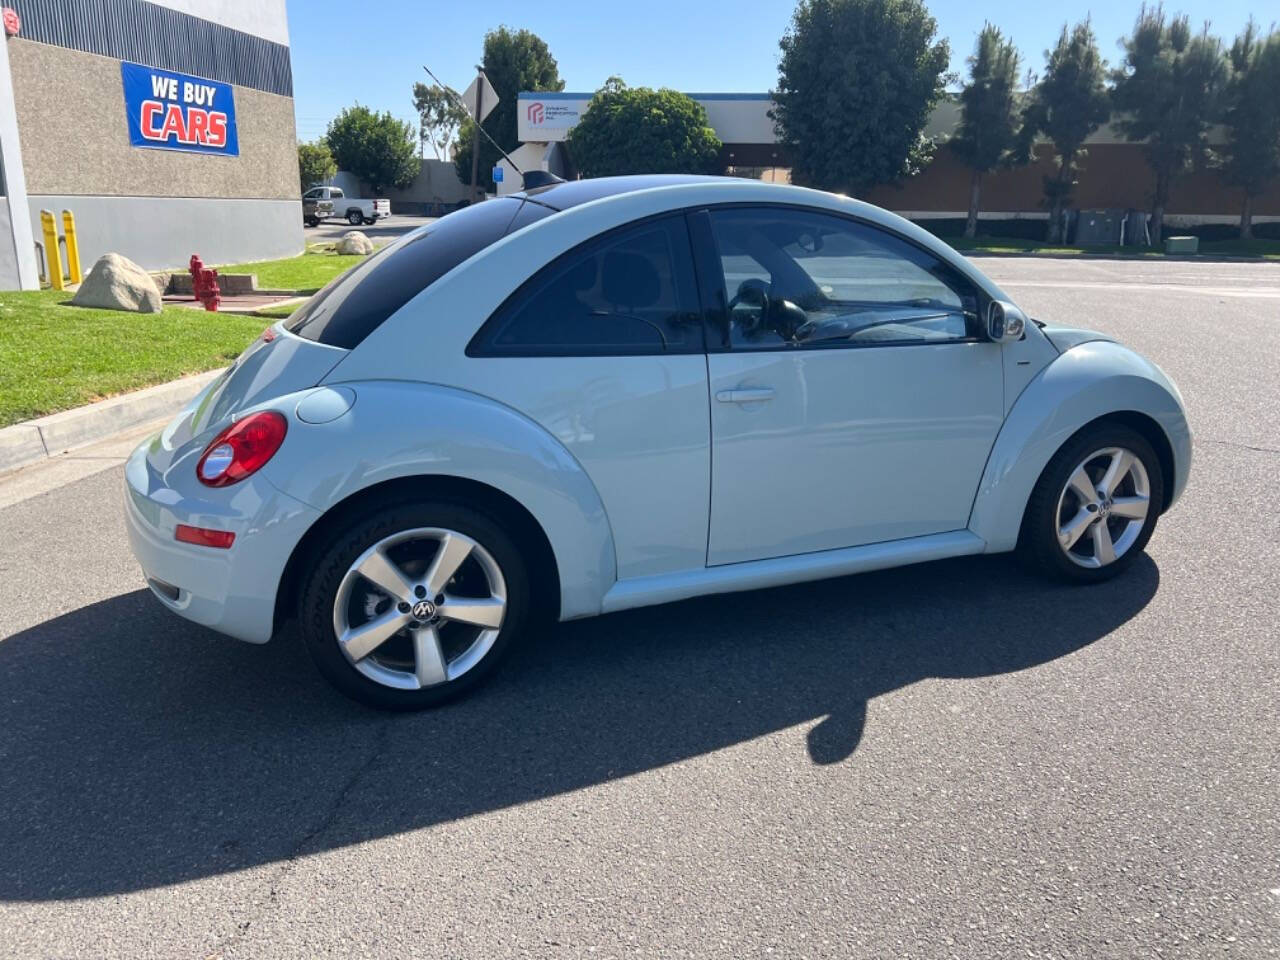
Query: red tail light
204	537
242	449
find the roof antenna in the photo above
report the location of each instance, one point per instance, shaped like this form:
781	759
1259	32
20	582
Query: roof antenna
457	102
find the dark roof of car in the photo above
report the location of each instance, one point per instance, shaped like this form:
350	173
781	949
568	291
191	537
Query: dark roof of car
562	196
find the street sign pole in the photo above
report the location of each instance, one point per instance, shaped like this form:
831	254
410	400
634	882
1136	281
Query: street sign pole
475	139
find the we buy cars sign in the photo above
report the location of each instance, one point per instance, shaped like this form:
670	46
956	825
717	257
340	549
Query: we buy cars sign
176	111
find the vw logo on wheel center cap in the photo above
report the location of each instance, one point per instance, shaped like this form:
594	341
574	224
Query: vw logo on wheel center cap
424	610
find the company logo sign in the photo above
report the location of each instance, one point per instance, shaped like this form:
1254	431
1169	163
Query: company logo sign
564	114
176	111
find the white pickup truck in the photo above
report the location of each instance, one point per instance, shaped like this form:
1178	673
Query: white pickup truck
352	209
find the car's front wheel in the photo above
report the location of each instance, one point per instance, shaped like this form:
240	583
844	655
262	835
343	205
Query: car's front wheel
1095	505
414	604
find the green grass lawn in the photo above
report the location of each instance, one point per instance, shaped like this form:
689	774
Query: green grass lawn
277	313
54	357
1267	249
305	274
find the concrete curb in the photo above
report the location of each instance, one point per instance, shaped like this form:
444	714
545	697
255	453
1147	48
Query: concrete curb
35	440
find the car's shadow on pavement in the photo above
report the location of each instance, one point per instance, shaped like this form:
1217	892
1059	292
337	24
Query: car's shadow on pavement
137	750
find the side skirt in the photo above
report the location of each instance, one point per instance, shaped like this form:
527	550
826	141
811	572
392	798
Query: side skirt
779	571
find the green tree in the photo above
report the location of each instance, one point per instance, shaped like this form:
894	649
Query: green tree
641	130
1067	106
989	123
1251	158
857	82
376	147
514	60
1168	92
440	114
315	164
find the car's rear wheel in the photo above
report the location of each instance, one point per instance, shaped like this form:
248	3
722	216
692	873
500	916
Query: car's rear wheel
1095	505
355	217
412	605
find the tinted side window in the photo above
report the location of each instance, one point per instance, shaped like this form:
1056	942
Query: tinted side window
354	304
336	194
628	292
797	278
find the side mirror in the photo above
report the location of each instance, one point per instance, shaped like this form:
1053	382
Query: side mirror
1005	322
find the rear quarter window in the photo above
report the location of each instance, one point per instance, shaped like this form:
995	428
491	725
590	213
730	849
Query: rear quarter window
353	305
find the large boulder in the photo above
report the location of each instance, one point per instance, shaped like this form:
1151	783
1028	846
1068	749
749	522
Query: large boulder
354	241
117	283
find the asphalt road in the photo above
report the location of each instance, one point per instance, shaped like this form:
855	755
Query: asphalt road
953	760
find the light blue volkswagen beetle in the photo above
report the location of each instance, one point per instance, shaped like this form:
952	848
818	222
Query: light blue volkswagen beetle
612	393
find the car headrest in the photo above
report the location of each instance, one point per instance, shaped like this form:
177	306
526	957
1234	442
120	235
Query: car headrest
582	275
630	280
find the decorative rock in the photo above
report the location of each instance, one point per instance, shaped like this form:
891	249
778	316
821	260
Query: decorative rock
354	241
117	283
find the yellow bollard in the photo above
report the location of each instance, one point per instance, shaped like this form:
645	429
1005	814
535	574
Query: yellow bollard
51	251
73	250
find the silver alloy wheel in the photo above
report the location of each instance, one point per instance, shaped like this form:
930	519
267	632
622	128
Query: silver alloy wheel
1103	507
419	608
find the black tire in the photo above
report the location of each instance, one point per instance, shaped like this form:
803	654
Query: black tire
335	556
355	217
369	221
312	222
1038	541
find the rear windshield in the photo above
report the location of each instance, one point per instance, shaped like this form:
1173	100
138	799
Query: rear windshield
354	304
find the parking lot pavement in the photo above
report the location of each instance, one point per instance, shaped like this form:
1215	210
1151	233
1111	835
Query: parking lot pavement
956	759
384	230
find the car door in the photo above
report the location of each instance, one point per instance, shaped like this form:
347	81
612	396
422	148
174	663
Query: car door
853	398
604	348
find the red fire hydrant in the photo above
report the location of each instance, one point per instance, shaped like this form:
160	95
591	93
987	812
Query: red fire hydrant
204	283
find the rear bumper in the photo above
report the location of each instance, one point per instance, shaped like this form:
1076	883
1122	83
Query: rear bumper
232	591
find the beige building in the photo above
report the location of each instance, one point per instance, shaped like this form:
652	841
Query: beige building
166	127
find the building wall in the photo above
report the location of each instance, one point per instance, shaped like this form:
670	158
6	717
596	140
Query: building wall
18	268
10	278
75	140
435	190
1114	175
266	20
163	232
157	206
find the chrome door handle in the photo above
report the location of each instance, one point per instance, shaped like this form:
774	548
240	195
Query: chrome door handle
745	395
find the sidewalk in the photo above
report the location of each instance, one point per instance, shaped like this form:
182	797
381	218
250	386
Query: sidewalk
33	441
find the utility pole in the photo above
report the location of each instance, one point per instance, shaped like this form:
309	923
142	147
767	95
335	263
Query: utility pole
475	140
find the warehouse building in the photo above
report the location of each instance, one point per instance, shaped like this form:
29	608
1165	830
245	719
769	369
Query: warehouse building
166	128
1114	174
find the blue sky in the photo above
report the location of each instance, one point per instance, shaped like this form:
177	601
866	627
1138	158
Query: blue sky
374	53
